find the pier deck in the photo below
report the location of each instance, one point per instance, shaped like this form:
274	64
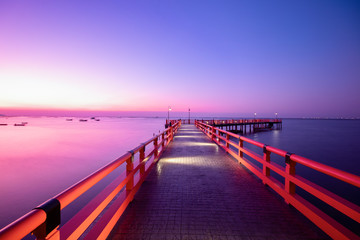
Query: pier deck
197	191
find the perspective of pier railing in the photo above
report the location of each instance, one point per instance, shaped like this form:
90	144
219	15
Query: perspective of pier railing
44	220
287	191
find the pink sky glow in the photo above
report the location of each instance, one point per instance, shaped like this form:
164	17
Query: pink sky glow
298	59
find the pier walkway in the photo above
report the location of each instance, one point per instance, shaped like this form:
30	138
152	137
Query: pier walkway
197	191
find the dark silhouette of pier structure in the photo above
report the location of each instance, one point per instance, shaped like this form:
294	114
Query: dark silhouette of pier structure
244	126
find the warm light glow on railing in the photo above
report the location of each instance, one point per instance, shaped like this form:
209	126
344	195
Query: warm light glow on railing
287	190
75	227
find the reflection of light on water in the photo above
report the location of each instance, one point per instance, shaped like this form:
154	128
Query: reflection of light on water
276	136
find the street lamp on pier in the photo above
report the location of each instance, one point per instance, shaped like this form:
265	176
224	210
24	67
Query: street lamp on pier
169	109
276	115
189	115
254	115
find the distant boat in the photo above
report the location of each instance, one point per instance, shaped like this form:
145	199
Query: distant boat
19	124
97	120
69	119
83	120
3	124
93	118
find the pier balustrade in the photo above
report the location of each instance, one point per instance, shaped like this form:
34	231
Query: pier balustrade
288	190
115	197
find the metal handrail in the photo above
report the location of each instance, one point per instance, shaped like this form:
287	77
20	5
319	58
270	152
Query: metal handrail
287	190
35	221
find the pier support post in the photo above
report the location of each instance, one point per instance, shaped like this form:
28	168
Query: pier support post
289	170
266	158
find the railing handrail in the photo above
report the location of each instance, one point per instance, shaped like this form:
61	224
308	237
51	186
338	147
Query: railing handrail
328	170
287	191
34	219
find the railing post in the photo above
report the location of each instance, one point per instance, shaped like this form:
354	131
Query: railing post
162	141
171	133
266	158
241	145
49	229
213	133
54	235
227	141
289	170
129	169
156	152
141	158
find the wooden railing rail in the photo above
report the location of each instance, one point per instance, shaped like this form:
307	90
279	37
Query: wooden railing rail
44	221
288	190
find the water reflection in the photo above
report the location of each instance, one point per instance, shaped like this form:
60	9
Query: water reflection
39	160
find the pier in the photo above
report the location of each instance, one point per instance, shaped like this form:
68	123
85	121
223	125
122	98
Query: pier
196	181
244	126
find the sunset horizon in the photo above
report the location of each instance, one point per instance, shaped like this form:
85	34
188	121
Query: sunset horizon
299	59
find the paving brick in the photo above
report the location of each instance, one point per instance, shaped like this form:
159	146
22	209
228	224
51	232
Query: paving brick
197	191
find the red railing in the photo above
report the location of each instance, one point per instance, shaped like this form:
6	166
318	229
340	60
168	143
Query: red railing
119	193
330	226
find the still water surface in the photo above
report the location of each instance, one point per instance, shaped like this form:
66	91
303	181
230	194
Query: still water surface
48	155
41	159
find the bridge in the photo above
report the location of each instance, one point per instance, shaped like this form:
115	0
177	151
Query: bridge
196	181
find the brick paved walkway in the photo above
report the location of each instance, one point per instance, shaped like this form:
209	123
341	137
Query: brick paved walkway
197	191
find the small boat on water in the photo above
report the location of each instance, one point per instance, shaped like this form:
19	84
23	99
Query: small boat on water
3	124
19	124
83	120
69	119
95	119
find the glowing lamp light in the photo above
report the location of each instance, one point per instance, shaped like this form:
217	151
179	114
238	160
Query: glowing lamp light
169	109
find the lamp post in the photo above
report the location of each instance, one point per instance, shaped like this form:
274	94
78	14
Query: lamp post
189	115
254	115
169	109
276	115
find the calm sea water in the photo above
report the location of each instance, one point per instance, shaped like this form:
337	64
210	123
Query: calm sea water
331	142
50	154
41	159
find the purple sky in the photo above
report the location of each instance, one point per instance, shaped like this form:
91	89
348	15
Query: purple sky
300	59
